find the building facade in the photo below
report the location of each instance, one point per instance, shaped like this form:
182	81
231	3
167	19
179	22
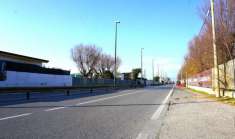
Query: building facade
24	71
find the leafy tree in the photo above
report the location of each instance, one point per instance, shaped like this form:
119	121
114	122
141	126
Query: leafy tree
127	76
107	63
135	73
156	79
107	75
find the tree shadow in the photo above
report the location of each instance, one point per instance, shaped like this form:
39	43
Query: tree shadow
20	98
101	106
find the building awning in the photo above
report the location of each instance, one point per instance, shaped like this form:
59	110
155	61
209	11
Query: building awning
4	53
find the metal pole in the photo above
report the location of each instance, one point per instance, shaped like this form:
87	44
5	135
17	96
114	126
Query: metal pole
115	56
216	68
142	63
158	72
153	69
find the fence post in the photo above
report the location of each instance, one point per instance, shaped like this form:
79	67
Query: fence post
68	93
91	90
27	95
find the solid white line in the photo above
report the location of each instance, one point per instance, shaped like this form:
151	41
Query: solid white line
148	134
156	115
91	101
11	117
56	108
106	98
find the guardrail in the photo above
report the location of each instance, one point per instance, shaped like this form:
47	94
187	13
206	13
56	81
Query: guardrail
67	89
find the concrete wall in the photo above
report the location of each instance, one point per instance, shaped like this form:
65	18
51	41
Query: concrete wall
226	77
17	79
203	89
77	81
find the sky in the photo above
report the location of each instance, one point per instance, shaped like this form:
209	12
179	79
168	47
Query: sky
48	29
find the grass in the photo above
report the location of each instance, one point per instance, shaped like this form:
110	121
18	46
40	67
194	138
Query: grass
225	100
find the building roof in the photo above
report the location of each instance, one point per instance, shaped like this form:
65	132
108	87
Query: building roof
24	57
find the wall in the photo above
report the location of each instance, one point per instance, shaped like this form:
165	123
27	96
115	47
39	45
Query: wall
78	81
226	75
203	89
205	81
226	71
17	79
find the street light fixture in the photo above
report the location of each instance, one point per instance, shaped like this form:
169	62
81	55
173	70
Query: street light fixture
115	55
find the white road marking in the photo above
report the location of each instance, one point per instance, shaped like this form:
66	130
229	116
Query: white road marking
92	101
56	108
106	98
11	117
156	115
146	134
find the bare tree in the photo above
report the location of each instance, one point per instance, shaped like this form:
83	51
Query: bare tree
107	63
92	62
86	58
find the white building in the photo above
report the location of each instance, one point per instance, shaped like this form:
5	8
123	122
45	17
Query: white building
22	71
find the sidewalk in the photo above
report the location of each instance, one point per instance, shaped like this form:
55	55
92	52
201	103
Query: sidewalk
192	116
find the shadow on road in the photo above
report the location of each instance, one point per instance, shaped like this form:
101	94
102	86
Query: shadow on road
14	99
108	105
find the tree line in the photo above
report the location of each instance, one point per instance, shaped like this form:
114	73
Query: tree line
93	63
200	49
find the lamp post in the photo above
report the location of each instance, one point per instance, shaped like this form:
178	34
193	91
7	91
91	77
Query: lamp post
142	63
153	70
115	55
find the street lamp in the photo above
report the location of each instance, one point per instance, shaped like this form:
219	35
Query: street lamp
153	70
142	63
115	55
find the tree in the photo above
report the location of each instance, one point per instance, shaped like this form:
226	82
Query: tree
135	73
107	75
86	58
156	79
106	63
200	53
91	62
127	76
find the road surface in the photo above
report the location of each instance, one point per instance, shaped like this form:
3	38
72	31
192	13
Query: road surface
121	114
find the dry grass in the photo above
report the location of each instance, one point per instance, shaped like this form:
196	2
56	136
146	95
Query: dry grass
225	100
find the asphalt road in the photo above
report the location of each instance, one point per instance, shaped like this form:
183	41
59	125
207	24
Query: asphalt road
103	115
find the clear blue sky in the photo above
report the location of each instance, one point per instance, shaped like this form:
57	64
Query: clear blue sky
50	28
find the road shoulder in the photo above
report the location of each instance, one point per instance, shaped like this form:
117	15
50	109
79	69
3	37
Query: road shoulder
192	115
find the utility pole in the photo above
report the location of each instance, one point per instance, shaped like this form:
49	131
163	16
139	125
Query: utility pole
216	67
115	55
186	81
181	77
